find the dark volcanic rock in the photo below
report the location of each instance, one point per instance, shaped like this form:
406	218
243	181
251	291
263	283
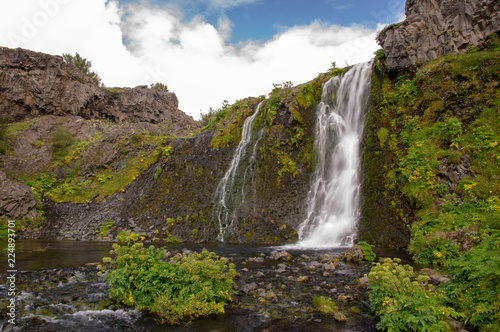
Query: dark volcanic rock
33	84
438	27
16	200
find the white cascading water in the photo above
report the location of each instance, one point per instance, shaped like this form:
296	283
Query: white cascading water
333	201
227	196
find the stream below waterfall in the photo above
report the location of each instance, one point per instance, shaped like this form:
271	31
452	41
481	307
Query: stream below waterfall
58	290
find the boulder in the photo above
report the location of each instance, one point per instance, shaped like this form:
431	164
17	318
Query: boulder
17	201
354	254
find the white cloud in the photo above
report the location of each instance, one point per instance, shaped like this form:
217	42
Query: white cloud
192	58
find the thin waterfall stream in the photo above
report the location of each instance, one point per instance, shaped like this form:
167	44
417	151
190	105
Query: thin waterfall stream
229	194
333	200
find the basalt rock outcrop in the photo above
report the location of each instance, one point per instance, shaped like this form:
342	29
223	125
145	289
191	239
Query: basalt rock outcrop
34	84
438	27
16	200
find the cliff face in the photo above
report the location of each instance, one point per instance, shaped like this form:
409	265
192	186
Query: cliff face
35	84
438	27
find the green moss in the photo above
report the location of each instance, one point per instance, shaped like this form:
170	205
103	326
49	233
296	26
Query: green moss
439	117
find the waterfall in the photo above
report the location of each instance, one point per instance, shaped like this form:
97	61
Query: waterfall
230	193
333	200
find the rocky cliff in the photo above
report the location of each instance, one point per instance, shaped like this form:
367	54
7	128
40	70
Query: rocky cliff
438	27
34	84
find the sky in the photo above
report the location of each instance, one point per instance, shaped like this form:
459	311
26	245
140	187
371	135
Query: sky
205	51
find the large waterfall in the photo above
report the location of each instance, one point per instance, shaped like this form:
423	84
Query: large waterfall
333	201
230	193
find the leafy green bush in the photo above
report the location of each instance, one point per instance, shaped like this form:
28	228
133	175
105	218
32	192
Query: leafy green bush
404	301
105	228
178	290
433	250
83	65
474	288
368	253
159	86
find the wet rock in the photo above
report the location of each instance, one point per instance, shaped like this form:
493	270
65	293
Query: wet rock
327	258
256	259
281	268
303	279
434	277
248	288
280	255
354	254
339	316
329	266
260	275
363	282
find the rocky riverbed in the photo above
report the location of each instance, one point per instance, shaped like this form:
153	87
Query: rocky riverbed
274	291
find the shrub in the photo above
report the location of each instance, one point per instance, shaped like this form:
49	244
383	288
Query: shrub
178	291
83	65
434	250
474	288
368	253
404	301
159	86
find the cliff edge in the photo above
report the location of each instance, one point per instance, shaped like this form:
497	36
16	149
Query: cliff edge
434	28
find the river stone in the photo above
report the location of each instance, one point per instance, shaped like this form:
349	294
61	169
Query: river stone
280	255
248	288
363	282
354	254
281	268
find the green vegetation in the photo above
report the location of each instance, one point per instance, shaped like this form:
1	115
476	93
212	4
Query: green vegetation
228	121
83	65
474	287
368	253
179	290
159	86
327	307
405	301
105	228
62	142
4	141
436	134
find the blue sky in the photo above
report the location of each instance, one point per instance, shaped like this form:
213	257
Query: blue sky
206	51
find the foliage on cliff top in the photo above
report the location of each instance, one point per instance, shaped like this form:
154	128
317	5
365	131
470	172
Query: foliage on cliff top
228	121
177	288
83	65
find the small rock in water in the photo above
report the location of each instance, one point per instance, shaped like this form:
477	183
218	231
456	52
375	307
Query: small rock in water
354	254
260	275
248	288
244	269
281	268
256	259
303	279
280	255
363	282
